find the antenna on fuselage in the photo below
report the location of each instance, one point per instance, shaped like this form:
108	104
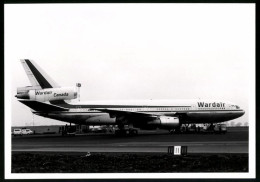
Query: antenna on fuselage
78	85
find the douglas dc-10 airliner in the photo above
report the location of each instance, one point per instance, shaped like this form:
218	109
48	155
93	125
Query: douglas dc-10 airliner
48	99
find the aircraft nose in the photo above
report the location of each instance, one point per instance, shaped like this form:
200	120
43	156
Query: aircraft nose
242	112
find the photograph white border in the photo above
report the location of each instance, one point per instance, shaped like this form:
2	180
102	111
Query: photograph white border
7	146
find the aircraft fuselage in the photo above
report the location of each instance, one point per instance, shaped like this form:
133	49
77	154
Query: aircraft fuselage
188	111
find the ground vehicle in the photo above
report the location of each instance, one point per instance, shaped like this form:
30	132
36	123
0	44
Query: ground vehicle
17	132
220	128
27	132
101	129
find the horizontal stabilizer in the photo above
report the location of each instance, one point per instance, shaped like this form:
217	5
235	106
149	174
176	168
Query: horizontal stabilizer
39	106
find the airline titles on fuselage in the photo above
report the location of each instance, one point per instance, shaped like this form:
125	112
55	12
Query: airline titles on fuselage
50	92
43	93
213	104
60	95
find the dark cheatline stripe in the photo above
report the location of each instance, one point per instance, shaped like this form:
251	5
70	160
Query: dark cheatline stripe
42	107
168	112
39	77
62	103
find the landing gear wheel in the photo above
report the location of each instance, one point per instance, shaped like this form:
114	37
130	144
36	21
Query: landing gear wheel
133	132
171	132
120	132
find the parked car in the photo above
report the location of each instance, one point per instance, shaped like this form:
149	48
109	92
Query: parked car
27	132
17	132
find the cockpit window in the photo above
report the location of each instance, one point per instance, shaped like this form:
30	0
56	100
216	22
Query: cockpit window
235	106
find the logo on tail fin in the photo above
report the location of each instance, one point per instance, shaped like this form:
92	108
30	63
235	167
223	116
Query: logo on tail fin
37	76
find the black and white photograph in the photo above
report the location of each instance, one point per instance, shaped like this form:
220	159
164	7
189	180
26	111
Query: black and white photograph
129	90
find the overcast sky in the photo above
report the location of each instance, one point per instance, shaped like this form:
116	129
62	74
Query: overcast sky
133	51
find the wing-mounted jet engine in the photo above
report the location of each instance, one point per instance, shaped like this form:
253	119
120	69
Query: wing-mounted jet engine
169	122
48	94
165	122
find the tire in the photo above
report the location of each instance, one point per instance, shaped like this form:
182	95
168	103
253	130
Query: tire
133	132
171	132
120	132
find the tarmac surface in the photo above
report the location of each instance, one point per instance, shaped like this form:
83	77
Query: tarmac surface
234	141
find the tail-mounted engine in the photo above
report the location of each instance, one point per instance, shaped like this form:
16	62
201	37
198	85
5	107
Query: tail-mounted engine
50	94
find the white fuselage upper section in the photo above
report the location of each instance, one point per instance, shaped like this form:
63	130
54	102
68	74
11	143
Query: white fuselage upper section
160	104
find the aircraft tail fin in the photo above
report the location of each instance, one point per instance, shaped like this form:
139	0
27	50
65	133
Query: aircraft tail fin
37	76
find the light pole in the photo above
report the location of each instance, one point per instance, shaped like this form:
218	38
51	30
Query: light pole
78	85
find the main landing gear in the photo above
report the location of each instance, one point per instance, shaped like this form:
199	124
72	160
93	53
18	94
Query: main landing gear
125	132
175	130
122	131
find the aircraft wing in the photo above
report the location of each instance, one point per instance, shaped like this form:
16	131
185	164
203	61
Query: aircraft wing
128	114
